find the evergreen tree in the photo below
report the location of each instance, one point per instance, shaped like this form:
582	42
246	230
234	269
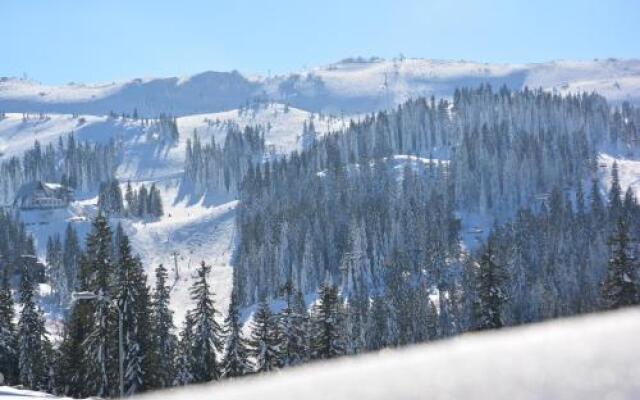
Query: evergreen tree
154	207
207	339
70	260
131	198
615	194
264	339
56	272
143	201
8	339
327	331
99	345
291	328
490	290
377	335
620	288
236	356
73	363
165	340
32	339
185	360
128	295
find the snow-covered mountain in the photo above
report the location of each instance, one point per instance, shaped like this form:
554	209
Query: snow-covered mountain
352	85
196	229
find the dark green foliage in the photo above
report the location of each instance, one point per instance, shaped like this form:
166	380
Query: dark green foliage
207	332
264	343
8	339
236	355
327	329
32	339
490	291
620	286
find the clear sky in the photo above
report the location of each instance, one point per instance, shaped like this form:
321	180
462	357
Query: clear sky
57	41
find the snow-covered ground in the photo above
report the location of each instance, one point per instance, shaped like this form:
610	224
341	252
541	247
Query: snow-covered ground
11	393
591	357
350	86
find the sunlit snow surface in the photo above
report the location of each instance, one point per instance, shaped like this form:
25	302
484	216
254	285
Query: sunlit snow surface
592	357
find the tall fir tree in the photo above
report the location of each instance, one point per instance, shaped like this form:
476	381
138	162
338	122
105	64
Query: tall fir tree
491	290
100	345
292	322
327	325
236	355
185	357
163	329
207	332
70	259
8	339
620	286
32	339
264	340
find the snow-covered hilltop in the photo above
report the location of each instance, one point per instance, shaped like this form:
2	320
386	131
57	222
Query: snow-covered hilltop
352	85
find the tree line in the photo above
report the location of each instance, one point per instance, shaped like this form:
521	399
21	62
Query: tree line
505	282
136	203
78	165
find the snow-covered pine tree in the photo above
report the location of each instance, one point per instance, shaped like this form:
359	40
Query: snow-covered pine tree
377	332
8	339
110	198
620	288
70	260
264	339
127	296
131	199
99	345
154	206
72	363
32	338
236	355
56	272
163	329
490	290
143	201
207	332
615	194
292	322
184	357
327	324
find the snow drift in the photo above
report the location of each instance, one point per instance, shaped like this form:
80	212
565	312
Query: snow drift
592	357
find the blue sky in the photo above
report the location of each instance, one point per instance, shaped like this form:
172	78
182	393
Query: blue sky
94	41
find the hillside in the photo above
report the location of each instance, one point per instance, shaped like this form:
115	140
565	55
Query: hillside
351	86
195	229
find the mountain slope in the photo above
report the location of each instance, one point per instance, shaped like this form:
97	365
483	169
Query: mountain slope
350	86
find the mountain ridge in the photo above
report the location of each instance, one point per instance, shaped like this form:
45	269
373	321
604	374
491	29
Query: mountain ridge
351	86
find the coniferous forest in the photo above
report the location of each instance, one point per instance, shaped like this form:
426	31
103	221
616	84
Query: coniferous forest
359	239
